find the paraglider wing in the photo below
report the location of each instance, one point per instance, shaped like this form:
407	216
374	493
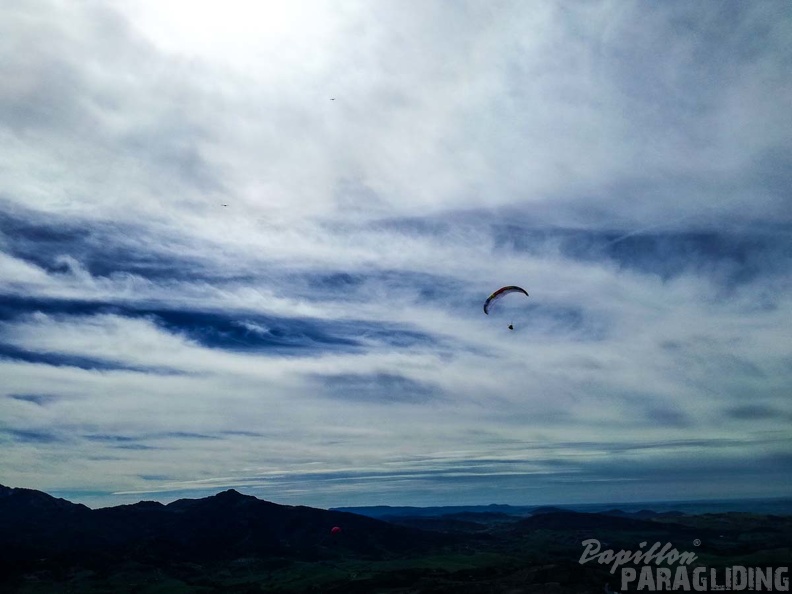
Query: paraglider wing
335	530
500	293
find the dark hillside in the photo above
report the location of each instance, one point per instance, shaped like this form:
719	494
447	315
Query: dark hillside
225	526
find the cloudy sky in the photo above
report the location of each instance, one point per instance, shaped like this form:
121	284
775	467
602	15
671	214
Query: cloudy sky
246	244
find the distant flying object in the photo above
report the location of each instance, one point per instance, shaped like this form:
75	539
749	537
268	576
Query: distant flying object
332	98
335	530
225	204
500	293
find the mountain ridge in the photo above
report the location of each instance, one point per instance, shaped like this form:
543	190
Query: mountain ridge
227	525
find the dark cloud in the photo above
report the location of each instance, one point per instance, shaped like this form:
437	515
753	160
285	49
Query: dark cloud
382	285
155	477
226	331
136	446
145	439
672	445
106	250
108	438
121	442
238	433
185	435
126	439
753	412
383	388
101	248
14	353
33	436
17	308
729	257
663	416
37	399
691	465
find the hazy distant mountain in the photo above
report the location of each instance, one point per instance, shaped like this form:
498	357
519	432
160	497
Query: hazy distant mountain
776	505
643	513
382	511
547	509
570	520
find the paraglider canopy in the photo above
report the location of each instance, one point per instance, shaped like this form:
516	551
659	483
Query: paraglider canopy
500	293
335	530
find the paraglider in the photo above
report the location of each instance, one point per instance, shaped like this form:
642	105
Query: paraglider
500	293
335	530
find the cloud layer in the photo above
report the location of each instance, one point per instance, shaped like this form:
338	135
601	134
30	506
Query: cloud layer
248	246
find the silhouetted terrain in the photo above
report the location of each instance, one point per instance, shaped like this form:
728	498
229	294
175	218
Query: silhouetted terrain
236	543
225	526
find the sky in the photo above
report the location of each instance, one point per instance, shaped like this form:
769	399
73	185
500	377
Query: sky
246	245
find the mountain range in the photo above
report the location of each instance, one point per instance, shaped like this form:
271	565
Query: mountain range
230	542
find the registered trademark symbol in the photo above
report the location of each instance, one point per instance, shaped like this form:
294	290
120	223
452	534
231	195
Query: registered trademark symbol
696	542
